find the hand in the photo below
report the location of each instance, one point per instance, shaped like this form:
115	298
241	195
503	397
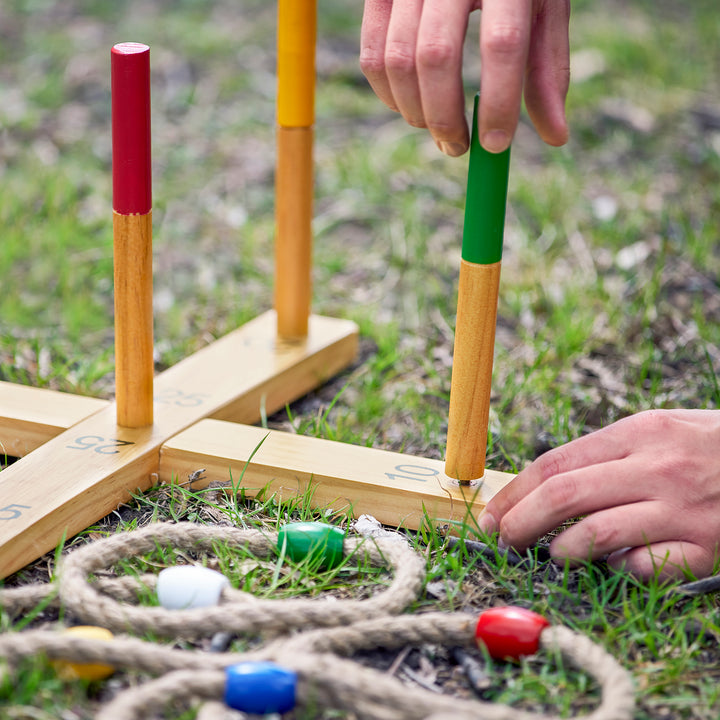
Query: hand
411	53
649	486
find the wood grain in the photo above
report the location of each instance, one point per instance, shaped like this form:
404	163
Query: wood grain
134	368
472	371
293	234
399	490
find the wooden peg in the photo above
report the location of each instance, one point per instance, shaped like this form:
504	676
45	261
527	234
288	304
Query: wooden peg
297	21
132	234
477	311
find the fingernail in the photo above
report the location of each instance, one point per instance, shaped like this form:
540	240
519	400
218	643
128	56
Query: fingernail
487	523
502	545
452	149
495	141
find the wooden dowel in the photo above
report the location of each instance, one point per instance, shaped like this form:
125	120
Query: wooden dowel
477	311
297	20
472	371
132	234
293	240
133	319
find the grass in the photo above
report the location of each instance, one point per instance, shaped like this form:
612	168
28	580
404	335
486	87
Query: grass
609	300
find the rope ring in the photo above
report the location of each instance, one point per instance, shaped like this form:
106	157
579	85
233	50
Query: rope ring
324	679
316	659
235	614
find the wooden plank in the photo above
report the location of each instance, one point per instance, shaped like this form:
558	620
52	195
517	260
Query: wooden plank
31	416
83	473
396	489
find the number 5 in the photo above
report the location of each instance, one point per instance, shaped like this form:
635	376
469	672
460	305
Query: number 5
12	511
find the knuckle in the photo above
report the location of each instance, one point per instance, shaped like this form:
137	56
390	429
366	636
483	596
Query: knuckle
504	39
436	54
372	63
444	131
415	122
561	495
553	462
400	58
655	421
599	537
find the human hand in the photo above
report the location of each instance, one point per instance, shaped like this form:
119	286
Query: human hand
411	53
649	486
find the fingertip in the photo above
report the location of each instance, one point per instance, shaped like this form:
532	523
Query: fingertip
547	114
557	137
451	137
562	554
452	149
495	141
487	523
663	561
381	87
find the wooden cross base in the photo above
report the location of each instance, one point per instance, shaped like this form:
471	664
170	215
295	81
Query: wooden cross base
77	465
80	470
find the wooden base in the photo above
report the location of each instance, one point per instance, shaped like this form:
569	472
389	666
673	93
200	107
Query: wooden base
85	471
398	490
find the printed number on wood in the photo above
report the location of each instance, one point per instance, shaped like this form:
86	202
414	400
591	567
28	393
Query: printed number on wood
98	444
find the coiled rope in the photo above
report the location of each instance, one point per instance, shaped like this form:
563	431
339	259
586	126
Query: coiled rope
319	657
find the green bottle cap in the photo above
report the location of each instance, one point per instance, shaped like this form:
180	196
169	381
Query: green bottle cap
485	201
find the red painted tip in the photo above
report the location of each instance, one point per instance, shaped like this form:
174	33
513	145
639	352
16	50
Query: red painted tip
130	80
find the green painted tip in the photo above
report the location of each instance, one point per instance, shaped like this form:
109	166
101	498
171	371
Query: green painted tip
485	201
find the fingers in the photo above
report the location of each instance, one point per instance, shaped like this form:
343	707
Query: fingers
400	65
611	443
626	526
439	57
666	560
411	54
547	75
586	491
373	32
504	43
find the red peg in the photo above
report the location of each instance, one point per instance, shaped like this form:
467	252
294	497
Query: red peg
510	632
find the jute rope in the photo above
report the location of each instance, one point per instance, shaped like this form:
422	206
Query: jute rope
235	614
326	679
